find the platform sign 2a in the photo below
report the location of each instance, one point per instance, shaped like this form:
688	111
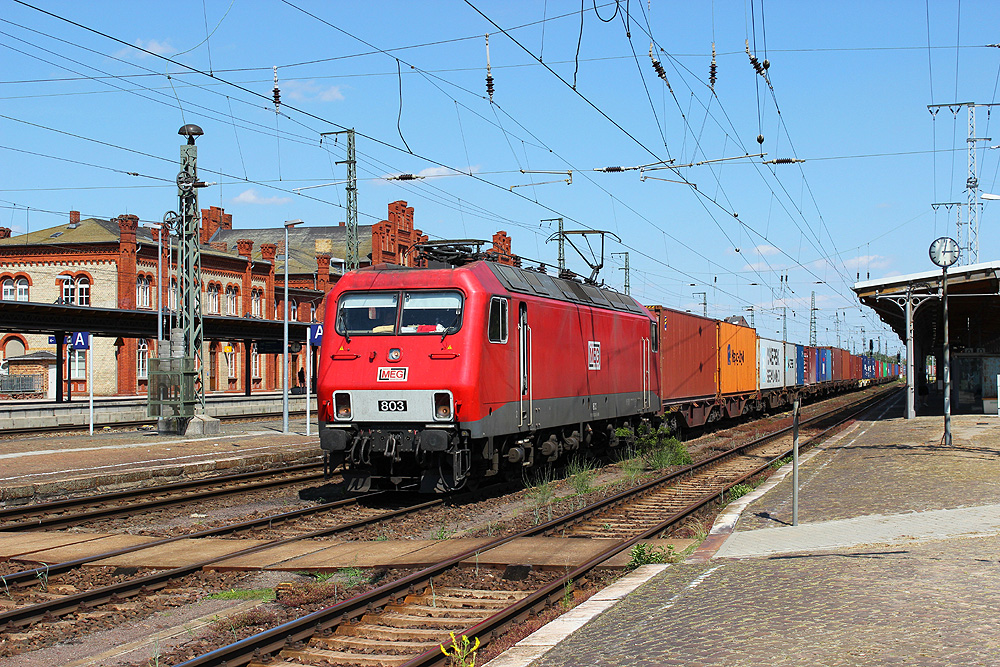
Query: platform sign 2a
316	334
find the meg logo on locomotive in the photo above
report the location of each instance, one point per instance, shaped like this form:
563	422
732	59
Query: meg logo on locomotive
594	355
392	374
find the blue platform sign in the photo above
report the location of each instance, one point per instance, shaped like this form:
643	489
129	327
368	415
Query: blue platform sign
79	340
316	334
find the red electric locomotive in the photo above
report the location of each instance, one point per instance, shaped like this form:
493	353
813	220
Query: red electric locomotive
437	378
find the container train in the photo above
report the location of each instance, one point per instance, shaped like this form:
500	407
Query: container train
436	379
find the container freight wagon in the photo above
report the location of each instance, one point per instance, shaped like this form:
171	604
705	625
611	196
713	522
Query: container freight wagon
824	364
809	364
794	372
688	355
770	364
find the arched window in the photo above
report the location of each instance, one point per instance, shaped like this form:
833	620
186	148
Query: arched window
9	293
76	291
14	347
232	299
254	361
142	360
231	361
256	301
312	312
213	298
293	310
83	291
22	289
142	292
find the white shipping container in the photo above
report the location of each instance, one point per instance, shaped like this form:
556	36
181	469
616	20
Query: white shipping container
770	363
791	357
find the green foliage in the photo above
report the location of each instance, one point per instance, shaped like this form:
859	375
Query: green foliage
581	474
567	596
266	594
442	533
780	462
43	578
541	493
632	467
738	491
648	554
461	652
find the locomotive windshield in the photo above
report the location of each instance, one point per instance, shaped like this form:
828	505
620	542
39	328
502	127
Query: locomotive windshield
377	313
431	312
370	313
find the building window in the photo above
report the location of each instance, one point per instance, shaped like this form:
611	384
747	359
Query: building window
232	307
256	301
142	360
78	364
293	310
142	292
254	361
312	312
76	291
82	291
22	289
213	298
9	294
231	362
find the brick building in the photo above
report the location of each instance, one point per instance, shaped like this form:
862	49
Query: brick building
113	264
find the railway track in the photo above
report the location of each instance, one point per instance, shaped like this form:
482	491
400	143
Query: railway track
60	606
403	623
71	512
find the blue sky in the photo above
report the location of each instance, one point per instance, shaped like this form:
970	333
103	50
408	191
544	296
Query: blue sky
81	109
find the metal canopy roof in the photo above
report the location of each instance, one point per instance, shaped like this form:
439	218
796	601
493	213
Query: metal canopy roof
28	317
975	288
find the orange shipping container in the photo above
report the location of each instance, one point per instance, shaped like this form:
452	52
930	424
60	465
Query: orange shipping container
737	370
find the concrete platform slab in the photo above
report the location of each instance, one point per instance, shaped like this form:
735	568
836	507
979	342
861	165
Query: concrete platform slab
67	552
356	554
272	558
16	544
553	552
180	553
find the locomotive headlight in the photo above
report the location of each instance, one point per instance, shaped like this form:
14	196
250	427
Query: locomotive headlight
342	406
442	406
394	354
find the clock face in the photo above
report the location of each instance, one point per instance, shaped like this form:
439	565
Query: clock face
944	251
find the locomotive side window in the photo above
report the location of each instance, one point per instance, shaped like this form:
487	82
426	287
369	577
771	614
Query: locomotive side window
498	320
654	336
431	312
367	313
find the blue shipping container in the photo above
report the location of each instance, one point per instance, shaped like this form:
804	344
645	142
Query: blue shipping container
800	365
824	366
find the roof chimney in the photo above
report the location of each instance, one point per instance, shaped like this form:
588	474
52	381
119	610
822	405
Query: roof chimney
74	219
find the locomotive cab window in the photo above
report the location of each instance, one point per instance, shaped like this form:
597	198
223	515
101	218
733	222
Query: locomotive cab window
498	320
367	313
654	337
431	312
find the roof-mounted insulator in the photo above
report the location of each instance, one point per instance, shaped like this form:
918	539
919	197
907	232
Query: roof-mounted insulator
489	75
276	92
712	71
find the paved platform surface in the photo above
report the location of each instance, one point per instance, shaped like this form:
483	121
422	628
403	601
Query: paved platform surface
36	468
895	561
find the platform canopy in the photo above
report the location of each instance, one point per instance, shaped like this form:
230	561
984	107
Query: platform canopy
973	303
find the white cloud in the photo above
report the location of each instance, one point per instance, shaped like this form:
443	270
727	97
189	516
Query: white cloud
765	250
251	197
152	45
310	91
867	262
